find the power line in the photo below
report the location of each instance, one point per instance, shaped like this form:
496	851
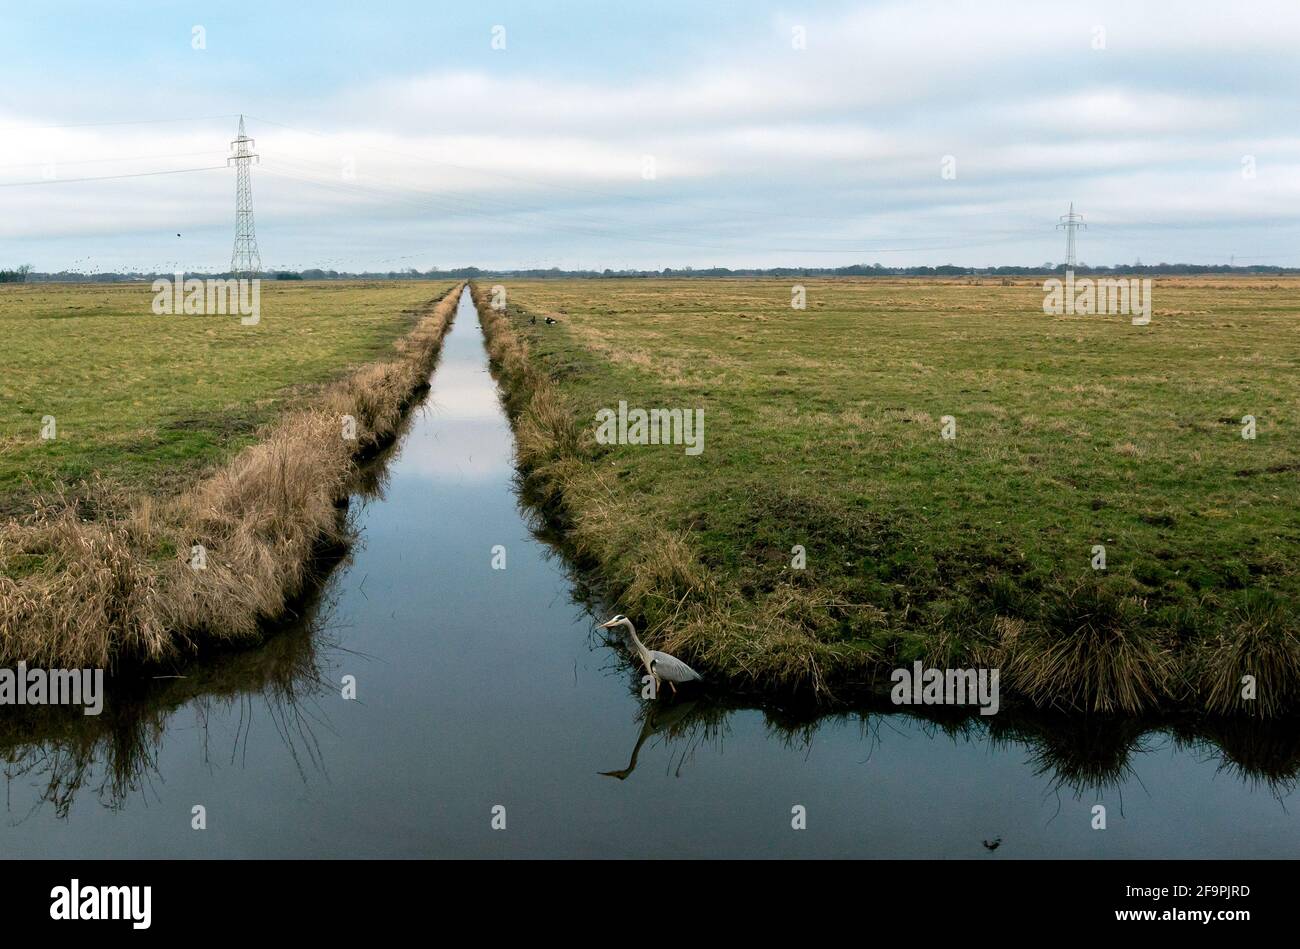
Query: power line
574	220
439	204
102	161
451	204
86	125
139	174
539	183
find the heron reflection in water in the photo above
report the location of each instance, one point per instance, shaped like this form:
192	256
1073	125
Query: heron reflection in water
658	718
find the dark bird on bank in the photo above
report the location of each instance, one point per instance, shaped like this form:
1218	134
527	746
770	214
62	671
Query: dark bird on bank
532	320
993	844
550	321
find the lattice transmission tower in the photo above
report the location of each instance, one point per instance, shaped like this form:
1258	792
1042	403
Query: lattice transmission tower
245	261
1071	222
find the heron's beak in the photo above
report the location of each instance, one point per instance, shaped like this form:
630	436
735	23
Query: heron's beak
610	625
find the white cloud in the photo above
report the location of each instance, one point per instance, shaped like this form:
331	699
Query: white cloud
848	134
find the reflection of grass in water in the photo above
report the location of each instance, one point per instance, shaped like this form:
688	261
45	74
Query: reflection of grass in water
1082	753
370	479
114	754
1267	755
1088	754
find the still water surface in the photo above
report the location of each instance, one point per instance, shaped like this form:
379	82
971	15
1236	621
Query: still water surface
478	687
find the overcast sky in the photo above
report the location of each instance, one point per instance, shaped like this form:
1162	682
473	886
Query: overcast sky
395	135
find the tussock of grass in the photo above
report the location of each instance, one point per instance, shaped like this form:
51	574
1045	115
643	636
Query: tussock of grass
1260	637
120	587
1092	651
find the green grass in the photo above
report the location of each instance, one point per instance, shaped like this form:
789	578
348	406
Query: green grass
148	402
822	429
102	577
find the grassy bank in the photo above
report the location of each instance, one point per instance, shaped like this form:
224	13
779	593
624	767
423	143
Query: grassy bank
823	430
150	403
107	571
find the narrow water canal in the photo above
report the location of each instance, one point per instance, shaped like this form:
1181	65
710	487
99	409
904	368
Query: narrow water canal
479	687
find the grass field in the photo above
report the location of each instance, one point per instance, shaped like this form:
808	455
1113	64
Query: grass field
823	429
150	402
198	463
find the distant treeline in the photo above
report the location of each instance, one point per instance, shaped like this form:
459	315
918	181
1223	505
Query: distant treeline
876	270
855	270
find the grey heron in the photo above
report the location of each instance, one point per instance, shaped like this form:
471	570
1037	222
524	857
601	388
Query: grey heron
659	664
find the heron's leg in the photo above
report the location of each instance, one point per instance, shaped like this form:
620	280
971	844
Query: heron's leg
672	686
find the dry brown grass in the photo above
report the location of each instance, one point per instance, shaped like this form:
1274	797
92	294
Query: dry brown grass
119	587
1260	642
1091	653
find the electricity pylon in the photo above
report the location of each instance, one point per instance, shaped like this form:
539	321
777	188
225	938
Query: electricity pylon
245	261
1071	222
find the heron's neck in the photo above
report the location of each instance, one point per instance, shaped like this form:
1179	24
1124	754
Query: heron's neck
636	640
